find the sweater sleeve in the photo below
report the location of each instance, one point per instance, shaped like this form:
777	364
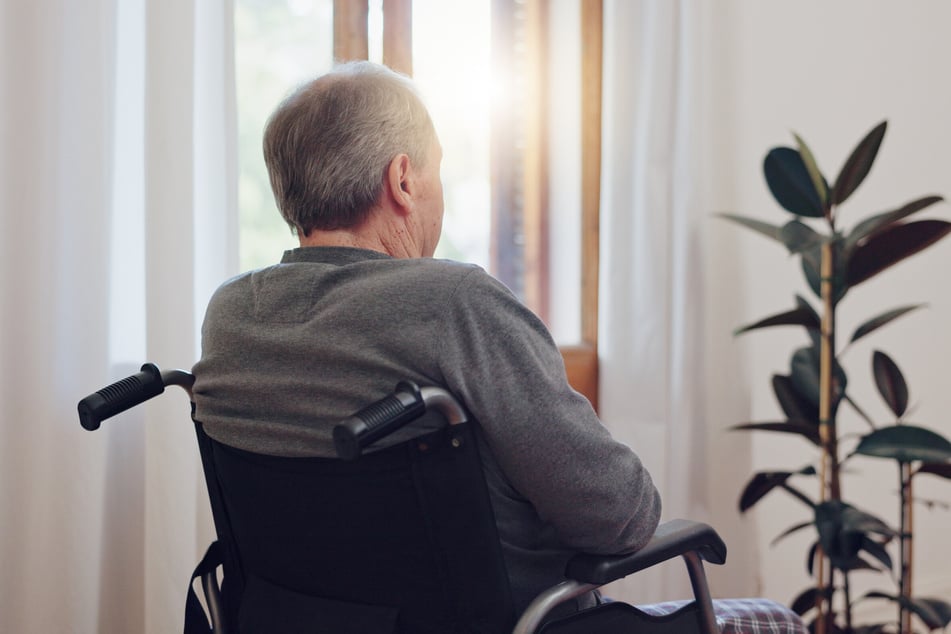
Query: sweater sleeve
501	360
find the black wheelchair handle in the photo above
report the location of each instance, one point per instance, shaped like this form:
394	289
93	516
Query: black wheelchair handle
120	396
377	420
129	392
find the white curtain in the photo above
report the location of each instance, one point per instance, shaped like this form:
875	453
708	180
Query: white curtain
117	203
651	331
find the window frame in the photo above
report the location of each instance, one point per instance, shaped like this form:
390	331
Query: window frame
351	42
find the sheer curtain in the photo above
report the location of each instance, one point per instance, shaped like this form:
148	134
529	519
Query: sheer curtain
651	300
117	208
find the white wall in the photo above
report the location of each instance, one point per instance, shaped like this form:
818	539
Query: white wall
829	71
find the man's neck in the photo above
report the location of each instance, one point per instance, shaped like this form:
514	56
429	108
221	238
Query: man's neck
363	238
340	238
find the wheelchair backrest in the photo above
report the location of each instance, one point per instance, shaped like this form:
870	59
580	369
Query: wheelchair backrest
401	540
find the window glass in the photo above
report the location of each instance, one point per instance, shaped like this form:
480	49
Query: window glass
278	45
452	69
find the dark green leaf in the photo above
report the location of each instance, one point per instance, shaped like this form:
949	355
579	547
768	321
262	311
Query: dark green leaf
793	403
839	545
940	469
858	164
818	180
931	611
870	225
905	443
802	303
877	322
795	317
790	183
814	334
807	599
789	531
892	245
854	563
831	627
940	607
804	372
811	557
843	530
809	430
812	265
856	521
798	236
764	228
759	485
890	382
877	550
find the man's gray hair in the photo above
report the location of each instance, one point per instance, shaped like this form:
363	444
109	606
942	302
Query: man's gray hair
328	145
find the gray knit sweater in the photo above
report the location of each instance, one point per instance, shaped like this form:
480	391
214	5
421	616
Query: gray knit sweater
289	350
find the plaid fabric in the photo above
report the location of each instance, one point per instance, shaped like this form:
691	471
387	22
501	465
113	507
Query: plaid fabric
742	616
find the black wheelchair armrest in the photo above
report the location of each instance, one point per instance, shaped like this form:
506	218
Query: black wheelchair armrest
694	541
672	539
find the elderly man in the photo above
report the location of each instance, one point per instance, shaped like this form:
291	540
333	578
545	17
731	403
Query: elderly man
291	349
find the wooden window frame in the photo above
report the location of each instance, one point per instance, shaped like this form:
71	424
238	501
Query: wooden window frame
351	42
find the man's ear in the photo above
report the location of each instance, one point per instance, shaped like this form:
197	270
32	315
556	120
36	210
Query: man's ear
398	181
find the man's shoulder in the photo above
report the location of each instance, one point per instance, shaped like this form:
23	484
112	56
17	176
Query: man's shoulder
443	269
454	276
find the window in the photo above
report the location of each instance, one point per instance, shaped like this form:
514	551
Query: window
514	90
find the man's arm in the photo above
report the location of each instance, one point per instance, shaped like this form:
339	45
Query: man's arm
500	360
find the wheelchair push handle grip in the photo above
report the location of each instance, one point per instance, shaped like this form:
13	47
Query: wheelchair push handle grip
377	420
120	396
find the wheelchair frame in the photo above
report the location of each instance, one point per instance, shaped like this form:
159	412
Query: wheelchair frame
695	542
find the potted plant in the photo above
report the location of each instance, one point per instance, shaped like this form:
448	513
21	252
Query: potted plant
815	391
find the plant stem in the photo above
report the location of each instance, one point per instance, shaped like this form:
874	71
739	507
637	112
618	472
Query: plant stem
829	472
848	601
904	588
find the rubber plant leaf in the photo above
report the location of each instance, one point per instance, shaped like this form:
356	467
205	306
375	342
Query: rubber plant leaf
877	628
940	607
930	611
857	521
814	334
892	245
759	485
857	166
795	317
808	430
842	529
792	402
763	228
818	180
878	551
855	563
890	382
798	236
789	181
812	264
940	469
762	483
789	531
905	443
807	599
877	322
811	557
804	372
871	225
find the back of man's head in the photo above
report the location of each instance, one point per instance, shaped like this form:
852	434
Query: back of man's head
328	145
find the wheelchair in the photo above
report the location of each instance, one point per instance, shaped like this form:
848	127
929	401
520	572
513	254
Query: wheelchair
400	540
